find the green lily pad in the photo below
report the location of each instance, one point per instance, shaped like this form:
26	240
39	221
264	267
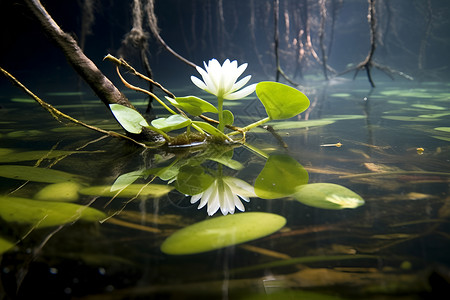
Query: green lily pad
62	191
192	105
210	129
131	120
432	116
5	245
301	124
34	155
442	138
445	129
44	213
192	180
280	177
150	190
281	101
228	117
328	196
429	106
36	174
170	123
409	119
341	95
220	232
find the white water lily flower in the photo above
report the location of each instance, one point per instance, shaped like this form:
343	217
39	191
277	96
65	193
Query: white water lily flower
224	193
220	80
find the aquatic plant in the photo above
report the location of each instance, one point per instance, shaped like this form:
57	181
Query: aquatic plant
279	100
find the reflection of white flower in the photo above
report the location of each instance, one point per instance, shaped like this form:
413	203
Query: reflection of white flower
223	193
345	202
220	80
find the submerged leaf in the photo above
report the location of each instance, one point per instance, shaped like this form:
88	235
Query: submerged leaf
280	177
43	213
62	191
281	101
192	180
36	174
130	119
216	233
34	155
328	196
150	190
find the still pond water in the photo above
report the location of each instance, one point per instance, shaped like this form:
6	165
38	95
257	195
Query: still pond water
389	145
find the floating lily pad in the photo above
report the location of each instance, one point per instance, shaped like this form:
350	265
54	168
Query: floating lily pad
442	138
429	106
397	102
22	100
170	123
44	213
36	174
301	124
192	180
62	192
281	101
328	196
280	177
131	120
409	119
223	231
151	190
434	115
341	95
33	155
445	129
192	105
5	245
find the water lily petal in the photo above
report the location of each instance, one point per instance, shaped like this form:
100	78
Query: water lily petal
241	93
200	84
195	198
240	83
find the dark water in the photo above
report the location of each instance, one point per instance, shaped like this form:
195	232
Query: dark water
394	247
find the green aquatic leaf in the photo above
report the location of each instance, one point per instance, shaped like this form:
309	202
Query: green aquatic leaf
228	117
445	129
301	124
429	106
36	174
281	101
145	190
192	180
341	95
223	231
432	116
328	196
409	119
210	129
126	179
280	177
61	192
131	120
170	123
5	245
34	155
442	138
41	214
192	105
